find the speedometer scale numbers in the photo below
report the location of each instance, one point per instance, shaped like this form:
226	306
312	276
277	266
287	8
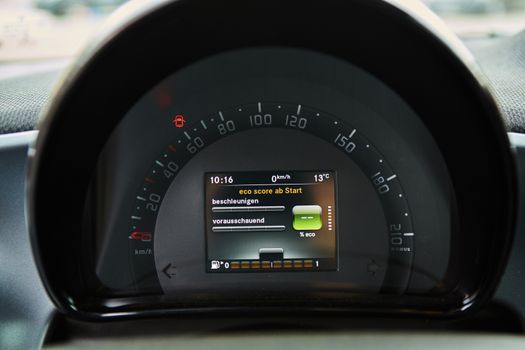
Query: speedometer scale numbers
192	133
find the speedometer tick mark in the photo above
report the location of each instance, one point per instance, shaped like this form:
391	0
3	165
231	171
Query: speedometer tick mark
212	120
221	116
179	141
406	214
259	107
194	129
298	109
380	160
187	135
159	163
335	122
172	148
318	114
141	198
136	218
151	181
203	125
367	146
352	133
391	177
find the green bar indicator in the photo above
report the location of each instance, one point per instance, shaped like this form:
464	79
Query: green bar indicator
307	217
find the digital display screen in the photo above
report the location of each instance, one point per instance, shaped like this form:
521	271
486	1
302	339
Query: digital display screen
270	221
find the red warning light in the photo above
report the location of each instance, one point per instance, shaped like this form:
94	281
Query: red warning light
179	121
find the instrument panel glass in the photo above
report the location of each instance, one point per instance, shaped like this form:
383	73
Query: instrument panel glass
271	172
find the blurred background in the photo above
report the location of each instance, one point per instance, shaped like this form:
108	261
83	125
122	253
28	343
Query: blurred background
32	30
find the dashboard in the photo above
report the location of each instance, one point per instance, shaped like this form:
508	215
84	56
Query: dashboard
217	167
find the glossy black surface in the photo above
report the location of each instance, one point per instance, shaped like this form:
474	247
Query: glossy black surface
388	164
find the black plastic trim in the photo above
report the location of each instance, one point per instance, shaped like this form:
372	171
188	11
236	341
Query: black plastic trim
427	72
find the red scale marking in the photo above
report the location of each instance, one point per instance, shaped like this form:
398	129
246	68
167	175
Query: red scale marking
172	148
140	235
151	181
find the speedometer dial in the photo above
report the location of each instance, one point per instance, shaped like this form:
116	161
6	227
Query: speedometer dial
192	134
236	176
